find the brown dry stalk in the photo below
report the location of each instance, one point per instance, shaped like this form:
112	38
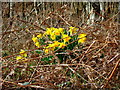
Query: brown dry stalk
55	57
85	53
87	71
92	75
109	19
97	52
111	75
31	24
21	85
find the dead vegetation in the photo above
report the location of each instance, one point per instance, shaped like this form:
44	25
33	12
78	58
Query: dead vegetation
94	64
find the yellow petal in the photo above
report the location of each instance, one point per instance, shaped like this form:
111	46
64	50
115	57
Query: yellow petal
48	31
25	55
82	40
62	45
53	37
39	35
46	51
37	44
19	57
61	29
82	35
22	51
66	38
35	39
56	44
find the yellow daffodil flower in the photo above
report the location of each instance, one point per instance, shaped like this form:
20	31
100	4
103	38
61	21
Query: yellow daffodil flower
66	38
39	35
35	39
82	35
52	36
23	53
56	44
56	31
46	51
37	44
73	30
51	47
19	57
61	30
82	40
52	29
49	31
61	45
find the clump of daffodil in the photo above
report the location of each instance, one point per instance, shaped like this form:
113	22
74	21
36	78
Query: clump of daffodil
73	30
56	34
66	38
82	38
22	55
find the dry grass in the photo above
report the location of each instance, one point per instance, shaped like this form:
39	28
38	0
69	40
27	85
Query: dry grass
94	64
